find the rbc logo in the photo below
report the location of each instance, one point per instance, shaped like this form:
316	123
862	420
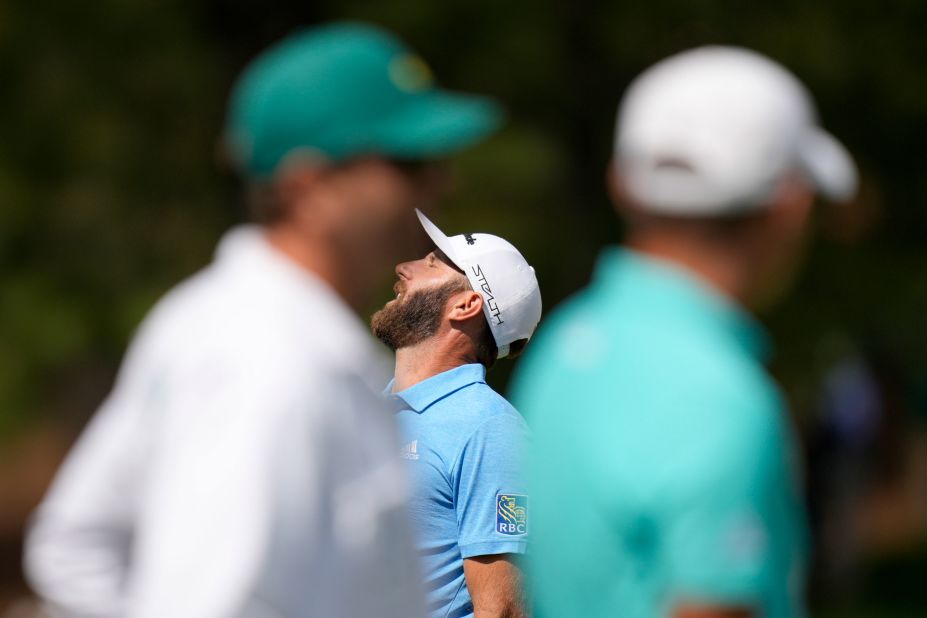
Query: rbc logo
512	514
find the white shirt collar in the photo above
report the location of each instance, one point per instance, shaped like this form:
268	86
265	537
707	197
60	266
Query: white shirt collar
246	249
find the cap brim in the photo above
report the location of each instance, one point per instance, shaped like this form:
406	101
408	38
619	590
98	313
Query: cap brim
829	165
439	238
436	124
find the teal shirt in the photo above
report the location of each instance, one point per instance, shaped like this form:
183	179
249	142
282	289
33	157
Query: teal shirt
662	467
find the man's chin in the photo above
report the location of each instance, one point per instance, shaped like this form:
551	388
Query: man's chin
379	328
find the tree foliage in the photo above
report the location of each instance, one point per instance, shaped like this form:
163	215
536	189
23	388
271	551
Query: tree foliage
110	192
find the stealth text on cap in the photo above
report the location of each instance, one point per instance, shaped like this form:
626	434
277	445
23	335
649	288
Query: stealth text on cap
494	310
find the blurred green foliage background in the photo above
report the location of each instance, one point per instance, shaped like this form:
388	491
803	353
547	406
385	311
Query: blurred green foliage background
110	190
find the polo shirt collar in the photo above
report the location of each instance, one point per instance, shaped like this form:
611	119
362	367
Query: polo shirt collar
423	395
254	263
666	288
247	248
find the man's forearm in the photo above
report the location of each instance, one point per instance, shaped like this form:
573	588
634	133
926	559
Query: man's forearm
495	586
506	612
511	606
690	610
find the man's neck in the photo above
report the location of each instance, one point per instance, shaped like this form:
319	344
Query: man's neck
318	259
719	268
424	360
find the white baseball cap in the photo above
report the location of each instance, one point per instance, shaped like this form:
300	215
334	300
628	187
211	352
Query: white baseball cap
711	131
495	269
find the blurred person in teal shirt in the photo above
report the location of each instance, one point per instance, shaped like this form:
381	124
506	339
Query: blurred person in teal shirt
665	479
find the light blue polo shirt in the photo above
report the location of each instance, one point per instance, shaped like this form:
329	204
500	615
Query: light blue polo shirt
662	466
464	445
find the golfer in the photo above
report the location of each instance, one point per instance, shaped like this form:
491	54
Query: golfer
664	470
472	300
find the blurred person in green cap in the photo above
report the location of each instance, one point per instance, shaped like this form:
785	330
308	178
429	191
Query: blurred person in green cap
664	471
244	464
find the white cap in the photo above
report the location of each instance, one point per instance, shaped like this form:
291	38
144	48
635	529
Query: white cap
712	131
495	269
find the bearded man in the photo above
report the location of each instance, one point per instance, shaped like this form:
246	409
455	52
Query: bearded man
470	301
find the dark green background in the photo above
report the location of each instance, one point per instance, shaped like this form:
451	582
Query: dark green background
110	191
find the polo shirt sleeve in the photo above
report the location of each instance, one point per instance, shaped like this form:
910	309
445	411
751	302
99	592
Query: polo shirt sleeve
732	515
490	492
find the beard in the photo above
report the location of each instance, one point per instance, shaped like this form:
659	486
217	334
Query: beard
410	320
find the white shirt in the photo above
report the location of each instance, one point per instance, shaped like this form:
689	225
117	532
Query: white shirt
243	465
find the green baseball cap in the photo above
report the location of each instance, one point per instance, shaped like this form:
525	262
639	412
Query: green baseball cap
345	90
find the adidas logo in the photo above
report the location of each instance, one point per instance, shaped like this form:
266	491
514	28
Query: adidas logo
410	450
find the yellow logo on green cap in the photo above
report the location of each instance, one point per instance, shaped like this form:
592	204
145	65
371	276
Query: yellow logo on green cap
410	73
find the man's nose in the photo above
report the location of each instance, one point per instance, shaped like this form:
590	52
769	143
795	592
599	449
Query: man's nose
403	270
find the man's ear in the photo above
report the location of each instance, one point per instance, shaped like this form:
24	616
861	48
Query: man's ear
617	192
777	240
613	182
791	207
465	305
